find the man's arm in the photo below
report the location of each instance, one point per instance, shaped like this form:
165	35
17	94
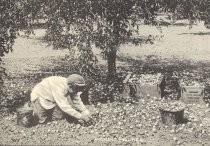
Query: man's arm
78	104
62	102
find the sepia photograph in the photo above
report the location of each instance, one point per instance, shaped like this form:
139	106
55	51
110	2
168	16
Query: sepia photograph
105	72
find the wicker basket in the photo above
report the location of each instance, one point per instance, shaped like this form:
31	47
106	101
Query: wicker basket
25	117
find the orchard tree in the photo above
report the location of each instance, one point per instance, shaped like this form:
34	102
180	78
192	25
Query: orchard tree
192	10
14	15
108	23
8	27
7	32
104	23
82	24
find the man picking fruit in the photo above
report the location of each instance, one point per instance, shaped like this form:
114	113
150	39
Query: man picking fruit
55	97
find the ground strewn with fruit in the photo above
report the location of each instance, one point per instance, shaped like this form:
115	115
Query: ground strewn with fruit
115	123
132	121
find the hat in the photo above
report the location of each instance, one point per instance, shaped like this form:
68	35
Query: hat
75	79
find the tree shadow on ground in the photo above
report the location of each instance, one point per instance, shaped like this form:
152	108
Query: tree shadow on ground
196	33
155	64
181	24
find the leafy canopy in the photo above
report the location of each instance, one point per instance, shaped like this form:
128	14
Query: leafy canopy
83	23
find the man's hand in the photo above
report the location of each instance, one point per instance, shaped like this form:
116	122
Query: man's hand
88	119
85	118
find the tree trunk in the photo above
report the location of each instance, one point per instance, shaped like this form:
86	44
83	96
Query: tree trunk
111	60
112	54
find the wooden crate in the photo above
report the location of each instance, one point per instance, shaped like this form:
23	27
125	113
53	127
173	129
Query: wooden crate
192	94
148	90
137	89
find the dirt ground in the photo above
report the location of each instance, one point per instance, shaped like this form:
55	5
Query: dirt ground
116	123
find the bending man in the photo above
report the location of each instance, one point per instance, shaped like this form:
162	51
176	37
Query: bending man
55	96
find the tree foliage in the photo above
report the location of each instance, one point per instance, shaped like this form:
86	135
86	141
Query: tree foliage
80	25
191	9
105	24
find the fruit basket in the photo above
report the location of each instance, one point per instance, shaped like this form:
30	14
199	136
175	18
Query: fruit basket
172	112
144	85
25	116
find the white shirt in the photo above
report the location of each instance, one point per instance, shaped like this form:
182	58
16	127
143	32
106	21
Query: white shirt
54	91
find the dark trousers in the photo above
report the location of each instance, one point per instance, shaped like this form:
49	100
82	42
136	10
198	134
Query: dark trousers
45	115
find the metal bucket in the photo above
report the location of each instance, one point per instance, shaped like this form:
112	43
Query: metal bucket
172	117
